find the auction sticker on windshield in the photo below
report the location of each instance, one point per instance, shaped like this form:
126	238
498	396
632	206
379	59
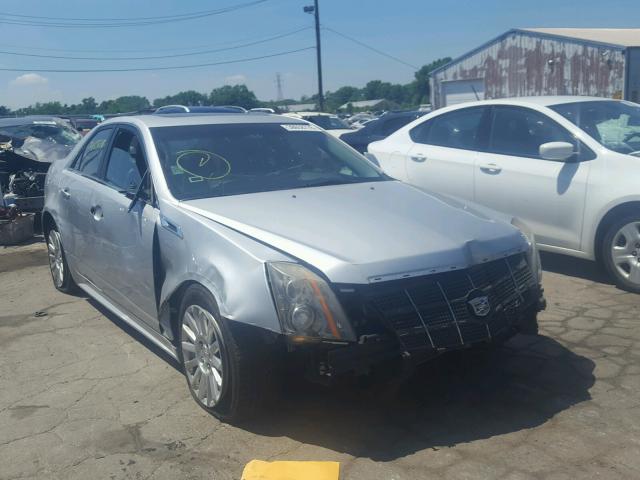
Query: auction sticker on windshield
297	127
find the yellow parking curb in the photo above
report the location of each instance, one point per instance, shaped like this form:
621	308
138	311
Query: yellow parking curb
260	470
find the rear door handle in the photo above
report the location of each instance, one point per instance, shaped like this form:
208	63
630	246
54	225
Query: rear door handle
418	158
65	192
491	168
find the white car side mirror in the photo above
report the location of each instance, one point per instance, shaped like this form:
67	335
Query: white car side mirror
558	151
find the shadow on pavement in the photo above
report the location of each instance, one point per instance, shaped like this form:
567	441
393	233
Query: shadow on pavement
574	267
129	330
455	399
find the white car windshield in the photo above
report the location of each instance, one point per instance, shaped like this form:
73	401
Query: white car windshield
615	124
201	161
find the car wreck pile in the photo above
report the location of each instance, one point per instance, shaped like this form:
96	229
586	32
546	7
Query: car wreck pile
28	146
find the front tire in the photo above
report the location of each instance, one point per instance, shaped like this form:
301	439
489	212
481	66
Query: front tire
229	374
60	273
621	252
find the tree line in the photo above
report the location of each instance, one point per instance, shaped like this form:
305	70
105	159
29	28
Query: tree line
406	95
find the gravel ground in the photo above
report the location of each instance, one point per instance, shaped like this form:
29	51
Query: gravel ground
82	396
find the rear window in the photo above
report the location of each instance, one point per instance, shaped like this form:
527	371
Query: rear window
201	161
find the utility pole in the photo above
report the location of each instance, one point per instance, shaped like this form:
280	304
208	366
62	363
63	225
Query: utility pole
279	86
316	12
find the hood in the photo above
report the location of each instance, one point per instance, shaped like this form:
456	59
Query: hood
367	232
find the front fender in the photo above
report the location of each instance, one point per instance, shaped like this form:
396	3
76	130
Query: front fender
230	265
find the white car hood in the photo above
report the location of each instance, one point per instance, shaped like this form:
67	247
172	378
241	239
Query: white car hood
367	232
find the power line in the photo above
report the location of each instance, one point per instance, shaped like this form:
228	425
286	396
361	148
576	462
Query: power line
175	55
379	52
58	22
146	69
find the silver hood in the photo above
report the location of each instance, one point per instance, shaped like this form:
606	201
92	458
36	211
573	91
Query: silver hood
368	232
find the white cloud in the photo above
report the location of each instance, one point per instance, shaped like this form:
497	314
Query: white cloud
29	79
235	79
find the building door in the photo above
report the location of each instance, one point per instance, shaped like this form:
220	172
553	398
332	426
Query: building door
460	91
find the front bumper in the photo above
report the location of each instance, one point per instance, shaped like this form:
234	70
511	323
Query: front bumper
418	319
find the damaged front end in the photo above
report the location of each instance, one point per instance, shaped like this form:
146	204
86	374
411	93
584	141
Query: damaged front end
27	149
406	322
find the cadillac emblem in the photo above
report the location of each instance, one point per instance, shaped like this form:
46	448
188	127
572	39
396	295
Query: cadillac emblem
478	303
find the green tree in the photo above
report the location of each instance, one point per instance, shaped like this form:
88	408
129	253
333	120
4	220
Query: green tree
189	98
4	110
238	95
127	103
335	100
421	86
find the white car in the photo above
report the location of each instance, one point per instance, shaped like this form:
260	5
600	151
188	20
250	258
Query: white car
567	166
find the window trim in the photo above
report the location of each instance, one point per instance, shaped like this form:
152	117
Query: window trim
478	144
584	153
75	161
103	179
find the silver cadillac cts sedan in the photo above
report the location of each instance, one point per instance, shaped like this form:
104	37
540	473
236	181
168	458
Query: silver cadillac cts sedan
244	245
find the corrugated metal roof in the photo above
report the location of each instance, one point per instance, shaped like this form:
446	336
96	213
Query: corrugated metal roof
625	37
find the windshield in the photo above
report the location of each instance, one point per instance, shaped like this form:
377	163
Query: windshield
615	124
47	130
327	122
201	161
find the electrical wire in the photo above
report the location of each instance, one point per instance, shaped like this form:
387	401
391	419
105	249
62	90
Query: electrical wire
59	22
362	44
146	69
175	55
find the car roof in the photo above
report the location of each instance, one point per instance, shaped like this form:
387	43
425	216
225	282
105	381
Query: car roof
29	120
542	100
179	119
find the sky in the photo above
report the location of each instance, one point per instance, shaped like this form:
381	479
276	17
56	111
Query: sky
415	31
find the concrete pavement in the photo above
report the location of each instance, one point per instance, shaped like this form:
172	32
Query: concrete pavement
82	396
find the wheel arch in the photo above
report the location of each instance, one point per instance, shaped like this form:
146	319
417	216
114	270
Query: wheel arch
610	216
47	222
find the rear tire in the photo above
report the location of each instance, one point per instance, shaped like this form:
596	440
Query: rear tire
620	252
60	273
210	348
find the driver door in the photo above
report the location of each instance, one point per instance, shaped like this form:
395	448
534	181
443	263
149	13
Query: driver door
126	232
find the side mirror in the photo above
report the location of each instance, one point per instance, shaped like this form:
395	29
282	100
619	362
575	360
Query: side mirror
558	151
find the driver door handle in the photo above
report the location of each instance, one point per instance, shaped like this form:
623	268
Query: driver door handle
65	192
419	157
491	168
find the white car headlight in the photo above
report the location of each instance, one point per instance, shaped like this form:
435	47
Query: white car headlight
534	255
306	305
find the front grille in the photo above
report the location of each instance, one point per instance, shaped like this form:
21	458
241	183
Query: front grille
433	311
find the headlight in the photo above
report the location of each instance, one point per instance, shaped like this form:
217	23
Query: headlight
534	255
306	306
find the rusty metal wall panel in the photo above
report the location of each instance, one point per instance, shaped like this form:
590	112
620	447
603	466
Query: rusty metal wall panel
522	64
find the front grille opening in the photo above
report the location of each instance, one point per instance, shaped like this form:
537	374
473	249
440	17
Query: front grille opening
433	311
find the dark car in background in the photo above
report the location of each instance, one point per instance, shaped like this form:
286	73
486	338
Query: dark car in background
379	129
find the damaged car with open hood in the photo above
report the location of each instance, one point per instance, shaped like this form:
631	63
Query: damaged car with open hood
244	244
28	146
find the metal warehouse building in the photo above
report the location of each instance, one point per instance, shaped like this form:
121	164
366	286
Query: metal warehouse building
544	61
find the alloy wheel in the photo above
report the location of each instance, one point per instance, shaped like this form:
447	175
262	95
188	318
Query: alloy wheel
202	354
625	252
56	261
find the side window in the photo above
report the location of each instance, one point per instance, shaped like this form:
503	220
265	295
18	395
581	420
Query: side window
458	129
88	163
520	132
126	164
